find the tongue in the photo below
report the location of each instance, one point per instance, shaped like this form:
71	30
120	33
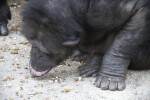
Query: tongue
36	73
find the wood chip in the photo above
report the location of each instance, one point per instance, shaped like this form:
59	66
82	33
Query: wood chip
14	52
15	48
78	79
68	64
4	38
1	57
22	81
47	98
26	77
23	42
14	69
11	77
62	85
40	84
63	71
21	96
38	92
20	73
65	90
28	44
8	78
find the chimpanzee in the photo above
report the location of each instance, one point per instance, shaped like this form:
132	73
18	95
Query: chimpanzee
5	14
113	34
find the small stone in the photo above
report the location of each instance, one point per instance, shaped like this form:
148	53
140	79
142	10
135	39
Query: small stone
14	52
63	71
8	78
40	84
23	42
26	77
8	85
18	67
1	57
68	64
22	81
20	72
78	79
14	69
47	98
5	48
65	90
38	92
15	48
13	43
21	96
62	85
11	77
53	79
62	77
4	38
28	44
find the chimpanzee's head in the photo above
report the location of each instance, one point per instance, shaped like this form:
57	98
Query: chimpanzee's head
53	32
47	54
49	48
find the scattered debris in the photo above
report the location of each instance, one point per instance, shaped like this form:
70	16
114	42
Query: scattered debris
14	52
63	71
65	90
47	98
23	42
8	78
78	79
1	57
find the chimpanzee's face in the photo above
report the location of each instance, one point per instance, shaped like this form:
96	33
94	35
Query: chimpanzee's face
45	57
40	62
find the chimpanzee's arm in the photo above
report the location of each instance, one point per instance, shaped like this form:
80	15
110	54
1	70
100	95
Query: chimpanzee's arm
117	58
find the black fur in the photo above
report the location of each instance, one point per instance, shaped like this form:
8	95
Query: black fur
114	34
5	14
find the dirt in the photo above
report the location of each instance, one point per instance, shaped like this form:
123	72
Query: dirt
62	82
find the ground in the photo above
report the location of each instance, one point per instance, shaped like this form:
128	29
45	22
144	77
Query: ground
61	83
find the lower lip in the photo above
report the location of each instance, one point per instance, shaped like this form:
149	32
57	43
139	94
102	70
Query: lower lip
36	73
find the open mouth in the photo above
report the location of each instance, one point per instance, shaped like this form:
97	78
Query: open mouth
37	73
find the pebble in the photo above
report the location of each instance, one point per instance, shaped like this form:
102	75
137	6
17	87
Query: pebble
26	77
8	78
22	81
23	42
65	90
78	79
1	57
47	98
14	52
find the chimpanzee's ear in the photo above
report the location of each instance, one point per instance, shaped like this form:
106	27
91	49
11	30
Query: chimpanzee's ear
71	42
